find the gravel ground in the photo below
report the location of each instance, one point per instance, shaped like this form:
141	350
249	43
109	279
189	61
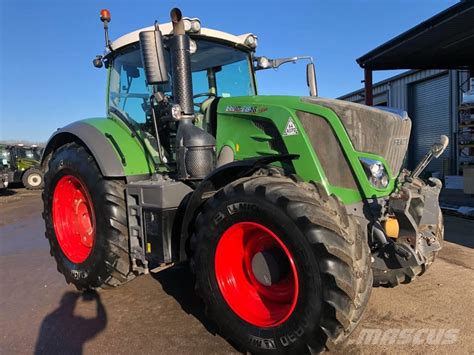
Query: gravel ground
159	313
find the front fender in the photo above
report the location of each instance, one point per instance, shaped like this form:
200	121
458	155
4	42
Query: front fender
214	182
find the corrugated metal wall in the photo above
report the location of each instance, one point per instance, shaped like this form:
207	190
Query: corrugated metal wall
399	91
396	88
429	109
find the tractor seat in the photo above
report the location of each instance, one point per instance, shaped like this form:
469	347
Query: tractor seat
208	112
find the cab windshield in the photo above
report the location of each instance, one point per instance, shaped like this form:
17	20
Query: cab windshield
216	68
30	153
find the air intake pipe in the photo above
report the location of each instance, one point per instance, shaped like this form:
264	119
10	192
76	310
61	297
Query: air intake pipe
196	149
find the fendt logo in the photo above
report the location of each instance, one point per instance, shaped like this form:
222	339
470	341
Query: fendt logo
400	141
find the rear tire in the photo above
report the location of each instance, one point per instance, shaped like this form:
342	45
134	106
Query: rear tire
326	246
107	263
33	179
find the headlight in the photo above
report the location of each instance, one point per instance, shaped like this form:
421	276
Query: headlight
196	25
192	46
251	41
176	111
187	24
375	172
192	25
263	63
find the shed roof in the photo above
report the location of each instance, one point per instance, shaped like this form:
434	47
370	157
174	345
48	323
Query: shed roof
444	41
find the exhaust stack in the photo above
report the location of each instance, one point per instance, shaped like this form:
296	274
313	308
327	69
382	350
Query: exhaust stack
181	67
196	149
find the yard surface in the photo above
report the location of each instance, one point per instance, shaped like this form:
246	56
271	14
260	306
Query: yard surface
159	313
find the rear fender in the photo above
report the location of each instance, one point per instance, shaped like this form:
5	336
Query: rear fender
118	150
101	148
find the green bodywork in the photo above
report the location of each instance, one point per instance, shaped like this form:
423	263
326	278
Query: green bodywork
236	130
138	159
23	164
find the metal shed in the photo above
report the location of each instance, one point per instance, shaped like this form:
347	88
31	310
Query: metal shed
440	54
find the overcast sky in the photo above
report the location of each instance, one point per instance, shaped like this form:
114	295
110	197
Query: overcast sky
46	48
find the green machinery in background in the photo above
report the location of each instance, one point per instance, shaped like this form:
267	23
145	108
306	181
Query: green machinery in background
22	164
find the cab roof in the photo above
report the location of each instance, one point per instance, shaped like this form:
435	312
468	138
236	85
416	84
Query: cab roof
167	29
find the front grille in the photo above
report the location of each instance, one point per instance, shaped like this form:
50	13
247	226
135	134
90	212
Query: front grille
371	130
329	151
398	145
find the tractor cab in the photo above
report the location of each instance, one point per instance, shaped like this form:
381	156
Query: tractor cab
222	65
218	69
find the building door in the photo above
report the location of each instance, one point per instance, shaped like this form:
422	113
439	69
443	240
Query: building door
430	114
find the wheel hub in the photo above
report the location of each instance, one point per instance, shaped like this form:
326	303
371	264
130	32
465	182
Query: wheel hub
73	218
34	180
83	223
256	274
270	266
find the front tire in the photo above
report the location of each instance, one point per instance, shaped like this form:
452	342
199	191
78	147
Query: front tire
322	285
86	220
33	179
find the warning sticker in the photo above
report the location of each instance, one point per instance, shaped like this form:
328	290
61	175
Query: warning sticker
290	129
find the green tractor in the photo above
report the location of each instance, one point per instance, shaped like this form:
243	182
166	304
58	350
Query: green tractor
288	209
23	164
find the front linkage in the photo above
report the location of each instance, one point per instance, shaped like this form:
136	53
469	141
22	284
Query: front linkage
416	208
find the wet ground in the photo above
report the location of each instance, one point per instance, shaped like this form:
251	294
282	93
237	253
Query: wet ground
159	313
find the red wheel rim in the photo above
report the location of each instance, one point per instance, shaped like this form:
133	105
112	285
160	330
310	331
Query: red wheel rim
73	218
260	305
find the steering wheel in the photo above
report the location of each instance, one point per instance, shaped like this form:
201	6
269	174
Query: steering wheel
203	94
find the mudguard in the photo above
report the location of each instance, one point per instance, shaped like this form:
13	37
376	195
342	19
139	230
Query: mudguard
212	183
102	150
115	148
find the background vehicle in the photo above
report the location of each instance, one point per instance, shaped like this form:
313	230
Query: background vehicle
3	177
23	164
288	208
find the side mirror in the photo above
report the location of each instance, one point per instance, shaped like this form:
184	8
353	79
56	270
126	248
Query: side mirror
153	57
440	147
435	152
311	79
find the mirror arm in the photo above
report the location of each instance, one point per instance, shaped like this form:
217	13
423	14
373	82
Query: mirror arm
435	152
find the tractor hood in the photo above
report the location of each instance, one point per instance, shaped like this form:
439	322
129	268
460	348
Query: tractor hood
26	163
381	131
